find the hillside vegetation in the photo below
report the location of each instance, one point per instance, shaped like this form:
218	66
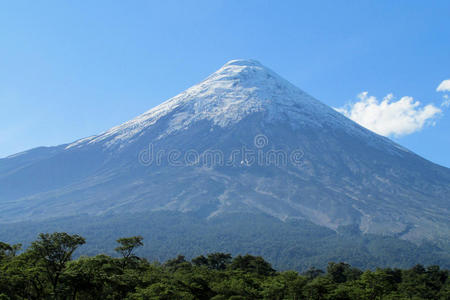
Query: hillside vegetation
290	245
46	270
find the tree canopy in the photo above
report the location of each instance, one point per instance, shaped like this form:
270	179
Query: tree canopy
46	270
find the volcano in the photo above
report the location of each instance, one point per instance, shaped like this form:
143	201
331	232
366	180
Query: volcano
242	144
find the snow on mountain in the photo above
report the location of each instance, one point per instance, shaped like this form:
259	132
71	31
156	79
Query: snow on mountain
238	89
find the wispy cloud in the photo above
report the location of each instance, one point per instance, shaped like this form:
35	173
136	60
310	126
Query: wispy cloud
444	86
389	117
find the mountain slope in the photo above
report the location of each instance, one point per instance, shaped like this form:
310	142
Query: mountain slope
244	140
289	245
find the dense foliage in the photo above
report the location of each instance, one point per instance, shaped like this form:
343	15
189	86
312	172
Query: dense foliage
46	270
291	245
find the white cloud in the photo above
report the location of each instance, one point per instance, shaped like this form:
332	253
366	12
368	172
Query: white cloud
444	86
389	117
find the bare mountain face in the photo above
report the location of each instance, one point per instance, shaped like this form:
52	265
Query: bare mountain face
244	140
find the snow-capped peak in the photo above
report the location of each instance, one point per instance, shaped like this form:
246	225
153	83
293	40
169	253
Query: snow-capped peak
238	89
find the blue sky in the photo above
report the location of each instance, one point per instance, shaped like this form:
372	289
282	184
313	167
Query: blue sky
73	69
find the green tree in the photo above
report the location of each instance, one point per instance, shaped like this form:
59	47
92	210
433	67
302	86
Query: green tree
295	284
161	291
200	261
54	251
128	247
7	250
252	264
318	288
91	278
214	261
342	272
178	263
238	283
377	284
313	272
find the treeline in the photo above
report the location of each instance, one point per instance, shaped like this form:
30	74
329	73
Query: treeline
288	245
46	270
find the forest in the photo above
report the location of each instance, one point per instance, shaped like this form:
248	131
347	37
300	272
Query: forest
47	270
288	245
